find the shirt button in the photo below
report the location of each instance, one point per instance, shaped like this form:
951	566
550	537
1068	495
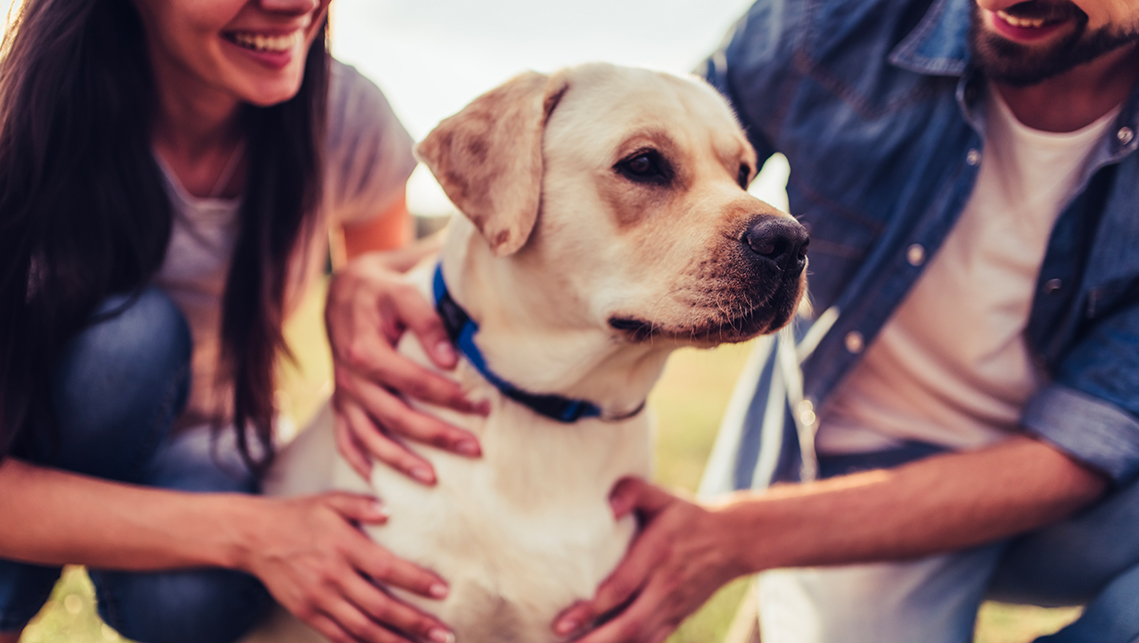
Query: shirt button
973	157
915	254
1052	286
806	411
1125	134
853	341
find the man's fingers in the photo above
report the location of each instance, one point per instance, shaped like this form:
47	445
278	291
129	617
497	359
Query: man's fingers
384	448
377	563
626	580
641	622
634	494
382	608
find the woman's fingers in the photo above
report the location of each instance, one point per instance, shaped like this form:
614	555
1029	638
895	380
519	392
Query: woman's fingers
329	629
382	608
370	356
380	565
420	317
357	507
394	415
382	447
359	626
349	446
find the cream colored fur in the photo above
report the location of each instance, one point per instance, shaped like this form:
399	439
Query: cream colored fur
555	244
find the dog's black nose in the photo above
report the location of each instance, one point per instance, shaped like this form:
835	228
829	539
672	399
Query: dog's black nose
780	240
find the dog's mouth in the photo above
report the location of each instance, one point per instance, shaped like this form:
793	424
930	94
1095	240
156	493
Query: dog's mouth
718	327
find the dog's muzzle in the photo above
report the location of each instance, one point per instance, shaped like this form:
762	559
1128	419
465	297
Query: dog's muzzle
779	241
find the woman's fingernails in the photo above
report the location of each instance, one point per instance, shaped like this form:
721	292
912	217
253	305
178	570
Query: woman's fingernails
565	626
482	407
619	506
422	474
440	635
437	590
381	509
445	351
467	448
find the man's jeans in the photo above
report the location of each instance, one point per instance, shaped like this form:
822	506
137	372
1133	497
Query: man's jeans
1091	558
116	392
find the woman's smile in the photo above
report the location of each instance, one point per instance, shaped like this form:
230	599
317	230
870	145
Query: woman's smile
272	49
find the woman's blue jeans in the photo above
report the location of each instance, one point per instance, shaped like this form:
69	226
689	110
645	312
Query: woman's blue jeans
116	391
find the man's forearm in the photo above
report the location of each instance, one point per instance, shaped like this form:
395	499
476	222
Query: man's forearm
938	504
53	517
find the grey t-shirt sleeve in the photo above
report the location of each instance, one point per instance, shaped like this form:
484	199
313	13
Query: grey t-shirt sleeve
368	156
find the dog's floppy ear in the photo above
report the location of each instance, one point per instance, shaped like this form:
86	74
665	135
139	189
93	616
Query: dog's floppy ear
488	157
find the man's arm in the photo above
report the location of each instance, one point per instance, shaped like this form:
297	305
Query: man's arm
946	502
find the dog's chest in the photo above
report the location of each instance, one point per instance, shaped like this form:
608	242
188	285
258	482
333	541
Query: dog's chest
521	533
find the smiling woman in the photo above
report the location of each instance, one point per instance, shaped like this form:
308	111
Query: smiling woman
170	172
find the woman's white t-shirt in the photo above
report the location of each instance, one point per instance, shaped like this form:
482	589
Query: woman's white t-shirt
366	165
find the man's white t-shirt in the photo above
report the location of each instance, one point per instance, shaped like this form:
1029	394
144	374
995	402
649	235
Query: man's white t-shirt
366	165
952	366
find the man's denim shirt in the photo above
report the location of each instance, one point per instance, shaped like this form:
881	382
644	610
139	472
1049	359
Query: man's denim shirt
877	108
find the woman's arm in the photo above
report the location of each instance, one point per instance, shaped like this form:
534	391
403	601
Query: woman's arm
306	551
369	307
942	503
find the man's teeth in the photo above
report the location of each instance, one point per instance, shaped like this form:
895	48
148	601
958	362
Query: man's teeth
258	42
1023	23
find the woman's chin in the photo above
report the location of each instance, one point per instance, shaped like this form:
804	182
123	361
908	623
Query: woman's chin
266	93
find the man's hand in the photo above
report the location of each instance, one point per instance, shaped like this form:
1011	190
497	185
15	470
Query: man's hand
369	307
677	562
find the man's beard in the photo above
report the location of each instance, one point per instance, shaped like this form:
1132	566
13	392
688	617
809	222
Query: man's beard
1015	64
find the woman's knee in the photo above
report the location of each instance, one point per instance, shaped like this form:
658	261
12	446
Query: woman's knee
215	605
120	383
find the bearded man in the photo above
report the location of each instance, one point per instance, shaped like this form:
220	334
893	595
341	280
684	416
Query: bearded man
960	418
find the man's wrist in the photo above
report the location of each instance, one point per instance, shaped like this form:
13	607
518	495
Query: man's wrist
744	529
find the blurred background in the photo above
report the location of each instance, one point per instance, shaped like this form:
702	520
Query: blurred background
431	57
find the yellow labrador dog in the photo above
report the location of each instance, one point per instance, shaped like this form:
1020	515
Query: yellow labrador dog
606	224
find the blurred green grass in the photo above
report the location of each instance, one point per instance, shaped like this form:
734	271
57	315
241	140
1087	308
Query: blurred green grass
688	404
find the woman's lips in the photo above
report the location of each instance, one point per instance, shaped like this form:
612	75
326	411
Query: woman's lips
274	50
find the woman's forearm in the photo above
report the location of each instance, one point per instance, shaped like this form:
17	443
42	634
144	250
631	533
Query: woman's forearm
54	517
406	258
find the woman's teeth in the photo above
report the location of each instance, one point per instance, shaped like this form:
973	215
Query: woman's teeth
1023	23
258	42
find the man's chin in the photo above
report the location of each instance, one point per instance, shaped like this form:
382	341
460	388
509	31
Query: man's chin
1019	64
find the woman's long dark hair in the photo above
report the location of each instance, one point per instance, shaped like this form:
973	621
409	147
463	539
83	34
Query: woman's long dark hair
84	214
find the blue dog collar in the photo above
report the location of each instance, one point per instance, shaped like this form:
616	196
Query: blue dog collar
461	329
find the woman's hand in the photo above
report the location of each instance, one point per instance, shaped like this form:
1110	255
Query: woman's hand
681	557
369	307
319	566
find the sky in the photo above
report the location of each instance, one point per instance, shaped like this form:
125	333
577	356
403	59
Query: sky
431	57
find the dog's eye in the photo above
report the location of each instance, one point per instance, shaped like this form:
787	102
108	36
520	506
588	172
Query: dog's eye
745	172
646	166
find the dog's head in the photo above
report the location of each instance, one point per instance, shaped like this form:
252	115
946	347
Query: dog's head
617	198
